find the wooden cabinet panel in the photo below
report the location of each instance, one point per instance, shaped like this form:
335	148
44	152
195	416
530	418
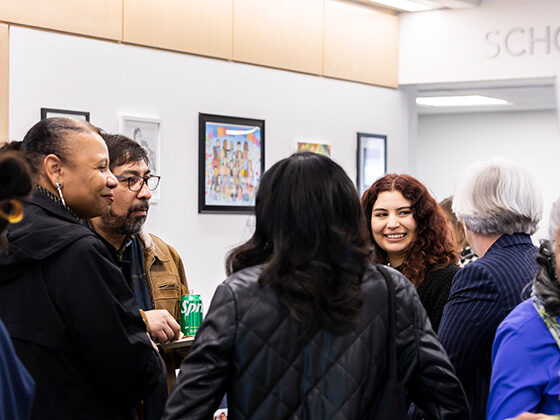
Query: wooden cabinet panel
196	26
287	34
361	44
97	18
4	81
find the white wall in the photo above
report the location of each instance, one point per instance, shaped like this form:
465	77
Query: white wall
447	144
108	79
491	42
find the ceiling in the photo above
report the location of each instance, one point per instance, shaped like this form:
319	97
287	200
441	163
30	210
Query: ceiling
524	95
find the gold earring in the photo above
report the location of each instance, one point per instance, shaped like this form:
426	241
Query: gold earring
16	212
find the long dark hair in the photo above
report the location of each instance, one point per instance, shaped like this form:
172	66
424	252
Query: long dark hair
311	238
433	247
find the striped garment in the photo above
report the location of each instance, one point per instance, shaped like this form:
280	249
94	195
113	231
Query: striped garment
483	293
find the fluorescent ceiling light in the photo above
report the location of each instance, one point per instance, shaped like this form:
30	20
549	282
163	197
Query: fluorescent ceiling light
466	100
407	5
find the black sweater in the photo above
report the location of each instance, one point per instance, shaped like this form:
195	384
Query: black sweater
434	292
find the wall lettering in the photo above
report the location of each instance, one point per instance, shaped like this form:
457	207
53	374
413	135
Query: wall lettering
518	42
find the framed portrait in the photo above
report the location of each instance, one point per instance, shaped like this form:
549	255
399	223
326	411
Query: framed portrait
372	159
231	162
64	113
319	148
147	132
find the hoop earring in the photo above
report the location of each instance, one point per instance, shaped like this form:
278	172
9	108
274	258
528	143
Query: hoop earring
15	214
59	189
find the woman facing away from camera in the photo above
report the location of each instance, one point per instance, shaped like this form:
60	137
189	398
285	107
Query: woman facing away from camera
299	328
526	351
409	232
500	205
66	305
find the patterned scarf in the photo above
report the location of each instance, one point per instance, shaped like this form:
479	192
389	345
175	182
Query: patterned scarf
550	321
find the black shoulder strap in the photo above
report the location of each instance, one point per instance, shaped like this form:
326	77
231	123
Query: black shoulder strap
392	329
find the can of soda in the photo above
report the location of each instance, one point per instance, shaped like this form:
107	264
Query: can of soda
191	314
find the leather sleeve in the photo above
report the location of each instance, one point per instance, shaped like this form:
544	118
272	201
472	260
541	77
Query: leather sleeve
424	367
204	374
102	318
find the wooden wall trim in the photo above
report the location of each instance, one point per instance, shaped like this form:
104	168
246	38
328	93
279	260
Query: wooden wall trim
361	44
95	18
283	34
192	26
330	38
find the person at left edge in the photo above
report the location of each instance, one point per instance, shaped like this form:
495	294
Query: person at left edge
17	387
71	317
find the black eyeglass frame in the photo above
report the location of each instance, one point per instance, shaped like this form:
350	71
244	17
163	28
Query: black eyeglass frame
144	179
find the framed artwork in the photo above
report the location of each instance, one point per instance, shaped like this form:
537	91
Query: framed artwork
147	132
319	148
230	163
372	159
64	113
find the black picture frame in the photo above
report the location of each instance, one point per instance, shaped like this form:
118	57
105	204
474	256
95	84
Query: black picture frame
371	159
230	163
66	113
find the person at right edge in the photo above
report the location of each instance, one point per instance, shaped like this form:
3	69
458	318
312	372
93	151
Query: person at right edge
69	312
526	356
299	330
500	206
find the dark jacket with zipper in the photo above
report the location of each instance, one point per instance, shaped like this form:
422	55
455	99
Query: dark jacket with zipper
247	347
73	320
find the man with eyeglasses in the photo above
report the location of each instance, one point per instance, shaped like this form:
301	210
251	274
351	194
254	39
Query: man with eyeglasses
153	269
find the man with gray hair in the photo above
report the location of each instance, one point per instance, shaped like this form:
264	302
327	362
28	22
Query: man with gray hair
500	206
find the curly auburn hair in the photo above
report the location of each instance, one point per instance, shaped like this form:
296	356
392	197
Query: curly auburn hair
433	246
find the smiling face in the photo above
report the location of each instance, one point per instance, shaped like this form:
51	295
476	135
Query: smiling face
130	208
87	181
393	225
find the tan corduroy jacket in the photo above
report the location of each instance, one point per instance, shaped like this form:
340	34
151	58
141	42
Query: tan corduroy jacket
165	274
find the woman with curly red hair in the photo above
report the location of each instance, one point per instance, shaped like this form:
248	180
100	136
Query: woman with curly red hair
410	233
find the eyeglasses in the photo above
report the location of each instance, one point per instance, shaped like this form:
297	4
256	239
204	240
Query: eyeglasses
135	183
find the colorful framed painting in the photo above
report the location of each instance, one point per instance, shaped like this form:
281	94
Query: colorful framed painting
372	159
319	148
231	162
64	113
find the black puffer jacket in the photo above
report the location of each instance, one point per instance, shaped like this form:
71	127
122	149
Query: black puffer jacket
73	320
247	347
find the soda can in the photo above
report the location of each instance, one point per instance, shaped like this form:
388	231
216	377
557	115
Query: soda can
191	314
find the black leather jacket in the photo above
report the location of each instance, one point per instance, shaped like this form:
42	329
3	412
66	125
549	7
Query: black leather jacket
247	347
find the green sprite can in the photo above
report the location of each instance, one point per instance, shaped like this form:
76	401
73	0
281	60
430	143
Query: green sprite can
191	314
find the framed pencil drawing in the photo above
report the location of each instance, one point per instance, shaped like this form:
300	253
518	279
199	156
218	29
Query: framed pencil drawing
147	133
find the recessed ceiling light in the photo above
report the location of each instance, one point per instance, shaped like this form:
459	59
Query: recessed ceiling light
408	5
466	100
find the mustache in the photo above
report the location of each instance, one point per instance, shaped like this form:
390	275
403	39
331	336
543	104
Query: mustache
144	206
